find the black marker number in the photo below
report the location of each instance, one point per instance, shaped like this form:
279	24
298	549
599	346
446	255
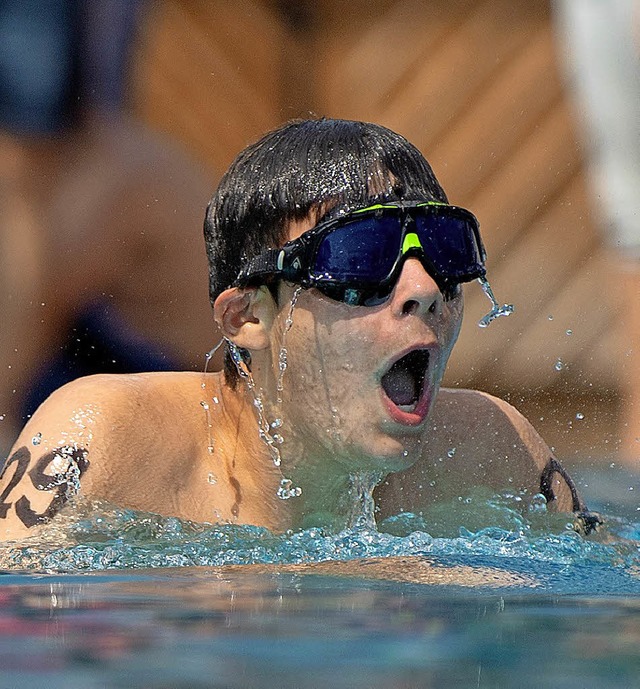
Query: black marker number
63	483
21	459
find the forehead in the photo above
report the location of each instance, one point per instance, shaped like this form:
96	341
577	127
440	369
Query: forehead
380	186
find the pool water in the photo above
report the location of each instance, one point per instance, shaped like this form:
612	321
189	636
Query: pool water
122	599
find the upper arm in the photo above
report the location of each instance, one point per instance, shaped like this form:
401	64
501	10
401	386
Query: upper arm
47	463
544	472
34	486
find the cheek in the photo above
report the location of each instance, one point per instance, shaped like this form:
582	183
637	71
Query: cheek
332	333
452	323
325	353
326	364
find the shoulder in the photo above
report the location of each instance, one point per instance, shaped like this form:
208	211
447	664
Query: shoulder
489	428
117	413
116	394
473	410
104	400
475	439
452	400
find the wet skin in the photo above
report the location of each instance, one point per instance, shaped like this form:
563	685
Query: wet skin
144	438
338	355
334	404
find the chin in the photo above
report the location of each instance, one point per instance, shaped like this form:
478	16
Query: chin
387	455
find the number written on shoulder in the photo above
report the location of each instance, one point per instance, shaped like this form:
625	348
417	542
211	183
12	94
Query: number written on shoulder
65	467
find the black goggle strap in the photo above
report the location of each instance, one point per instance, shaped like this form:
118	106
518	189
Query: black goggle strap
287	263
262	268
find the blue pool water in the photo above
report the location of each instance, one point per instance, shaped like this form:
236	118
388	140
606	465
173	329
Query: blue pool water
132	600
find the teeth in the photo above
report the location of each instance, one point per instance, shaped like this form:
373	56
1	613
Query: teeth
407	407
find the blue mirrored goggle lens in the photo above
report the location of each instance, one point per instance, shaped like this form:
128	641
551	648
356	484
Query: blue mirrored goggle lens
363	250
450	244
366	250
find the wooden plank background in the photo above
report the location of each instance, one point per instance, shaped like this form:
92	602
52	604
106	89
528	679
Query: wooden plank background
477	87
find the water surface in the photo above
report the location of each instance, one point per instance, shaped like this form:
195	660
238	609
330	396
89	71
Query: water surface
124	599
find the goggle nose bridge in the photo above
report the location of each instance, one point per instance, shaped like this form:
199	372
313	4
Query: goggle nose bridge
411	245
411	248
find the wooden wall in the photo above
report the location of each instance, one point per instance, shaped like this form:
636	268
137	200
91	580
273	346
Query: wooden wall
476	85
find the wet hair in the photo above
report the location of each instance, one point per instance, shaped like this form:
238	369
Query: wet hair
301	168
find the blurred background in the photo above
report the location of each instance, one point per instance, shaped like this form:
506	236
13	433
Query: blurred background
118	118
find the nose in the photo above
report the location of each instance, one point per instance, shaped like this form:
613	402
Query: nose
416	292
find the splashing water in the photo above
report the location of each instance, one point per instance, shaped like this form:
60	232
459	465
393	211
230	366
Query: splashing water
515	532
286	490
362	513
264	427
496	309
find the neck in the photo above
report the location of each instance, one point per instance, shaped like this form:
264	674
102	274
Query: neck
338	500
330	495
326	491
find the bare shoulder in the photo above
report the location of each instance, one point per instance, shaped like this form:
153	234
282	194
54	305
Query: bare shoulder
99	410
476	439
92	434
486	423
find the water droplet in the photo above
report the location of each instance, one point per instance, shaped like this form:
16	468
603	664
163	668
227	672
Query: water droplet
334	433
451	452
278	438
286	490
559	365
405	453
538	503
579	416
550	317
216	400
205	406
276	423
37	439
569	332
211	478
282	363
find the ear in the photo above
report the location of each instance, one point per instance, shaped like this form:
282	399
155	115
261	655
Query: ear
245	316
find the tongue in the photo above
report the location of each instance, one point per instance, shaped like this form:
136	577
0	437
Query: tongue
400	386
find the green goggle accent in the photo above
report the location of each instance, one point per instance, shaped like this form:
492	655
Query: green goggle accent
411	241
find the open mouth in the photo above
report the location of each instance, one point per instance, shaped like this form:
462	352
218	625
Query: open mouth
404	382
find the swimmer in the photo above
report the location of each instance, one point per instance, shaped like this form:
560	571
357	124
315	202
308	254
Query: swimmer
336	271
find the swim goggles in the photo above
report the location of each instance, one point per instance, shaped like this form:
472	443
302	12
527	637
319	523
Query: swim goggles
356	258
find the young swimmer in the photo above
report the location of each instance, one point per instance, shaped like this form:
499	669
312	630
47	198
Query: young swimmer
336	265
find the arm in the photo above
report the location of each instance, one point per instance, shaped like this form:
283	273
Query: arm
132	440
48	463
